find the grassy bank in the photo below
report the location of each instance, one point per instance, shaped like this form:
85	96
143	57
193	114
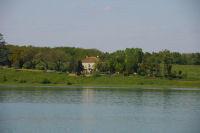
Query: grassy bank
24	77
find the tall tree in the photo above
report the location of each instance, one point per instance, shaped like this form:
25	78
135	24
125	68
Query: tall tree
3	51
167	60
16	57
58	59
134	57
28	56
79	68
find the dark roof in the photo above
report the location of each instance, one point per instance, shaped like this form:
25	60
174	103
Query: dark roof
90	60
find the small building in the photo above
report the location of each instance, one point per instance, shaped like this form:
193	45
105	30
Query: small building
89	64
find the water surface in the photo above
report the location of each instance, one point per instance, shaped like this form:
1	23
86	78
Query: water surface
99	111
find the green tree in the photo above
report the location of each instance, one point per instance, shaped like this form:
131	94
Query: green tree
73	65
119	60
79	68
99	66
16	57
59	58
131	64
196	58
167	61
28	55
43	59
133	58
3	51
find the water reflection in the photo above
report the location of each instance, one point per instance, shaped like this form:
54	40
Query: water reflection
96	110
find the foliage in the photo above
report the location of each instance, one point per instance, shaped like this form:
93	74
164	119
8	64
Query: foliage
4	51
67	59
69	83
38	78
45	81
79	68
167	61
5	78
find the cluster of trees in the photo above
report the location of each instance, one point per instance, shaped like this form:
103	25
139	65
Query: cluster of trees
67	59
134	60
44	58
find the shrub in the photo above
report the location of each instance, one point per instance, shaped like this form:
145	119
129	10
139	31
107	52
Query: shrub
5	78
180	75
15	80
40	66
140	83
45	81
69	83
22	81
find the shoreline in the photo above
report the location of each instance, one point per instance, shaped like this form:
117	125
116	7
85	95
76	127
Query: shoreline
12	77
96	87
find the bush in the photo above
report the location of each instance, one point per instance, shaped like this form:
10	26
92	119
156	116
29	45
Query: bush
22	81
140	83
69	83
45	81
40	66
180	75
15	80
5	78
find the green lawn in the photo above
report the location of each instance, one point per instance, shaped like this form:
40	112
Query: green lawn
18	77
191	71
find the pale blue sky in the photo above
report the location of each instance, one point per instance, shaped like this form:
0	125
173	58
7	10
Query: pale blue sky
107	25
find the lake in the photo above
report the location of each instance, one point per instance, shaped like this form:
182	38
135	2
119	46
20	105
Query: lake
92	110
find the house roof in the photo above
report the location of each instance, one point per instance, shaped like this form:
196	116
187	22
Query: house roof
90	60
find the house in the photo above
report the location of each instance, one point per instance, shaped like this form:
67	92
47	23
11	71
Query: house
89	64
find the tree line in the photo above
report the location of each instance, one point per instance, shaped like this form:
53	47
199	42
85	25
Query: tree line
67	59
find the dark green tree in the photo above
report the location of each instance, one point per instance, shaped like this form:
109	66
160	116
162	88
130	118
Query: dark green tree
3	51
16	57
80	68
42	60
167	61
196	58
131	64
28	56
58	59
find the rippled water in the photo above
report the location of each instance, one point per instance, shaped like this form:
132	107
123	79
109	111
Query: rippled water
99	111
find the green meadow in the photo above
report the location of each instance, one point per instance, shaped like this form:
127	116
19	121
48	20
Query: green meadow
27	77
191	71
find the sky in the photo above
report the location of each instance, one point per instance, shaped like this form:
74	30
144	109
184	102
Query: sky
107	25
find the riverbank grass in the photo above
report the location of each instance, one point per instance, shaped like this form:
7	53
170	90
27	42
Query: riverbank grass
23	77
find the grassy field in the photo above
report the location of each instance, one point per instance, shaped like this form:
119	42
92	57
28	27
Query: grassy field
191	71
27	77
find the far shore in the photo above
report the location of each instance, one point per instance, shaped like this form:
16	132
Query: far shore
92	86
13	77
